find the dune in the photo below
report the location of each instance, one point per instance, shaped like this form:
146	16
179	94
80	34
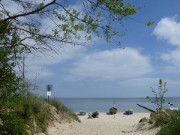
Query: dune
118	124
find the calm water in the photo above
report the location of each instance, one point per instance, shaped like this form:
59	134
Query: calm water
103	104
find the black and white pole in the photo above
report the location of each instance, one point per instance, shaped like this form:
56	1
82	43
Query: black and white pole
49	89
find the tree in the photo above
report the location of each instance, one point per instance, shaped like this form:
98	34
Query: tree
8	80
24	26
159	99
21	32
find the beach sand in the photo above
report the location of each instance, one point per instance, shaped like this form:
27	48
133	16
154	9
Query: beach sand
117	124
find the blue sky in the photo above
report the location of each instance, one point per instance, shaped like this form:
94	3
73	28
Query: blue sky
104	70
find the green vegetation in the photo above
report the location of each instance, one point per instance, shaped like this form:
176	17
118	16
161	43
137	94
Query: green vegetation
70	21
159	99
29	114
64	110
21	112
68	25
168	120
172	128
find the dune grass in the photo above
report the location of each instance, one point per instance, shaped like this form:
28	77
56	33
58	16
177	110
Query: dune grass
63	109
27	114
169	120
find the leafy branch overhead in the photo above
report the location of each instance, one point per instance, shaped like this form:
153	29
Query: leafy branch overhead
67	25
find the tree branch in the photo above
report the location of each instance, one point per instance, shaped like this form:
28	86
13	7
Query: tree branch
29	13
78	17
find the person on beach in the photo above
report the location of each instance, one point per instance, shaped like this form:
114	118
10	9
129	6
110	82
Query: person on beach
89	116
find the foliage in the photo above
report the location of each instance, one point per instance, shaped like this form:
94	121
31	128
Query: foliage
160	118
169	120
29	113
68	24
172	128
149	23
159	99
13	124
24	110
21	33
9	82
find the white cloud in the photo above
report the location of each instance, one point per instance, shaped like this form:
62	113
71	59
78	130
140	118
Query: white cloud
168	29
172	57
112	64
12	7
15	8
38	65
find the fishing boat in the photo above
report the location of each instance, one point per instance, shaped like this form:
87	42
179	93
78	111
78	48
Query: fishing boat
128	112
95	114
81	113
113	110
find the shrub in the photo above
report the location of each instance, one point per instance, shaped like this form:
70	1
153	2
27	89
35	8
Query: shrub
162	118
13	124
169	120
172	128
159	99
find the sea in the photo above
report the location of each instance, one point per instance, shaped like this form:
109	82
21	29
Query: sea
122	104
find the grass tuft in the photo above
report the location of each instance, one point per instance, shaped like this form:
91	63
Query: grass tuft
169	120
63	109
27	114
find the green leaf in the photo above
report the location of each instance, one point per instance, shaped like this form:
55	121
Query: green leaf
149	23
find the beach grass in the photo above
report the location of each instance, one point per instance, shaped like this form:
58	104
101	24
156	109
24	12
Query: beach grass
169	120
63	109
28	114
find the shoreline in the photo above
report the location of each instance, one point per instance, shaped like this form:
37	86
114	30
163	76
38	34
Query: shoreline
118	124
110	114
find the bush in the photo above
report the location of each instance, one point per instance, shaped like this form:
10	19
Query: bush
169	120
172	128
13	124
159	99
160	118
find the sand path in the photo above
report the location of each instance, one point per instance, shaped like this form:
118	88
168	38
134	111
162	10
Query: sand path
104	125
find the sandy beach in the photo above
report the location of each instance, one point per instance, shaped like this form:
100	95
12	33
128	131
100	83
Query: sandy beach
117	124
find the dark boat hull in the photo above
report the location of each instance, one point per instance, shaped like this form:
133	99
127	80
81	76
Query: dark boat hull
112	110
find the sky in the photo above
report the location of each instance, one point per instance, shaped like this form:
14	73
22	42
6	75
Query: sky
102	69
